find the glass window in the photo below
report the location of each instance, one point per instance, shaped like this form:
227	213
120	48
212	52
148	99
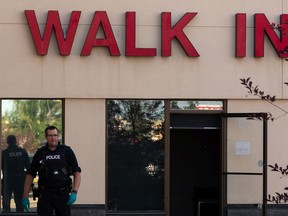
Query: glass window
135	154
196	105
26	121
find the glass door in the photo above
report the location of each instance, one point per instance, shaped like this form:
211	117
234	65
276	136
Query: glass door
244	171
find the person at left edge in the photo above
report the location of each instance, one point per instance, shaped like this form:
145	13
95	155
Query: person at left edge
54	163
15	162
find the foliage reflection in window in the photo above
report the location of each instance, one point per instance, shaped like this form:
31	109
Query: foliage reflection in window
135	154
196	105
26	120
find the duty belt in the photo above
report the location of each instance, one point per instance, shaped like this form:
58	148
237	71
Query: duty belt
57	190
15	174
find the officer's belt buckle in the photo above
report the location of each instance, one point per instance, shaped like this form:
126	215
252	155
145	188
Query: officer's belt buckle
58	190
63	190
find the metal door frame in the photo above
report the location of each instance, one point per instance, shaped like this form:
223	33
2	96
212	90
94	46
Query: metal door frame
224	174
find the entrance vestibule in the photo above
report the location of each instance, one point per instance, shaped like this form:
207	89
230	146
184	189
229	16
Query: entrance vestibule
195	142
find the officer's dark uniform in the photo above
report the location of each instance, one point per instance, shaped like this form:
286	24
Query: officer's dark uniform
15	162
54	169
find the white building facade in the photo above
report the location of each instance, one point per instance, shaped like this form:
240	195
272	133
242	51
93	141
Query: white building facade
105	59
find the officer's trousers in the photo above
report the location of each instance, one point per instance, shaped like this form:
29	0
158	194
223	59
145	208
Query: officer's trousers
13	184
50	201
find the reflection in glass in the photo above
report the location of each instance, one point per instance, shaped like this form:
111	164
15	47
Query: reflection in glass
15	162
135	154
151	169
26	120
196	105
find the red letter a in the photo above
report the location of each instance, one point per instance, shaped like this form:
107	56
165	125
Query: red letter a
100	17
53	21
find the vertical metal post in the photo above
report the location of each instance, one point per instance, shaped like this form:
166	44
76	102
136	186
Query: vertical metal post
265	158
167	158
224	167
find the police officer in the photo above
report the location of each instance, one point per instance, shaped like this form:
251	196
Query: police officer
54	164
15	162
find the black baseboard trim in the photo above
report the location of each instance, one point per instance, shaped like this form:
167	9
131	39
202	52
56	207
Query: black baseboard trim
88	206
135	213
88	210
256	210
76	209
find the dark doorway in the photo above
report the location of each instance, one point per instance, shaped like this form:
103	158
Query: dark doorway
194	170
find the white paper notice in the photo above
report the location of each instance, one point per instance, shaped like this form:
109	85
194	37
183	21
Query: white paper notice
243	148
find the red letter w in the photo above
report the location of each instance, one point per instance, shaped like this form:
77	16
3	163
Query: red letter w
53	21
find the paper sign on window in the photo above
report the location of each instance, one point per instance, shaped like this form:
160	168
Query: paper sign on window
243	148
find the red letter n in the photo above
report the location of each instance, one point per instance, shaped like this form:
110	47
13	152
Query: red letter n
262	26
53	21
168	34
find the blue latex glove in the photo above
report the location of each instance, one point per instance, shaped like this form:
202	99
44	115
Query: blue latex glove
72	198
26	204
